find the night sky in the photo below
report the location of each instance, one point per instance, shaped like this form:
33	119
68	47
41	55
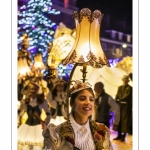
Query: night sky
117	9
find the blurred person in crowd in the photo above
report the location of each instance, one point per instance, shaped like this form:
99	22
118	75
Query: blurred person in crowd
104	105
124	100
57	102
23	52
30	133
131	78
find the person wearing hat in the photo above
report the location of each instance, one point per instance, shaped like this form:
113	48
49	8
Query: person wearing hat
79	132
105	104
30	133
57	102
23	52
124	100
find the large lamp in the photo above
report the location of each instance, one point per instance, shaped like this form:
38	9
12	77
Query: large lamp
60	47
23	69
38	65
87	49
53	64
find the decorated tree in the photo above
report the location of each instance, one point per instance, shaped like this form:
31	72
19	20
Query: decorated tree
34	20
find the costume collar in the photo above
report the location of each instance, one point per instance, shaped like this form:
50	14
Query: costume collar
78	127
98	133
60	92
33	100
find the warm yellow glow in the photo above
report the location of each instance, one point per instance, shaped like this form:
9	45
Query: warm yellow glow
110	77
60	49
18	104
23	68
83	52
24	118
125	64
52	63
43	115
38	63
87	46
124	45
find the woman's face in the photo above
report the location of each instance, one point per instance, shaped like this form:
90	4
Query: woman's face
33	90
60	88
84	104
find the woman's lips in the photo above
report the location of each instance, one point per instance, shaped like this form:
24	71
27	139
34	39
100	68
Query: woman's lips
87	108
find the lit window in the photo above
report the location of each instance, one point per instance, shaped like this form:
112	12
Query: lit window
128	38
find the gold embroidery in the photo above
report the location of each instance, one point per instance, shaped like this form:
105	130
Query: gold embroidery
66	130
98	132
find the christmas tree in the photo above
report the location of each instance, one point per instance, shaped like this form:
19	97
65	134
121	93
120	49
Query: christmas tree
34	20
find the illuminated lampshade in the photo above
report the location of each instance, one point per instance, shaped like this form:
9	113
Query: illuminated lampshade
61	47
52	63
61	30
23	68
87	47
38	63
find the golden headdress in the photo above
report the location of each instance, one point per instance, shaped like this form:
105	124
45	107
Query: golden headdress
78	86
59	81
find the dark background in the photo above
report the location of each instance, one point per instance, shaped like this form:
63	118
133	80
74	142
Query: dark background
120	12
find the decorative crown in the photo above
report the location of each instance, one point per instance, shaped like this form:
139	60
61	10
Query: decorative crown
59	81
78	86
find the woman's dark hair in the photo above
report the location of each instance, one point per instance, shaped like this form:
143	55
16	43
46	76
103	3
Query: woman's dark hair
74	95
40	99
54	91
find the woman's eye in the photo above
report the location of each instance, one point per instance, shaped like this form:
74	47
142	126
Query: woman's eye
92	99
82	98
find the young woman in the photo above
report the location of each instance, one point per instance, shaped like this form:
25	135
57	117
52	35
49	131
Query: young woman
30	133
79	132
57	102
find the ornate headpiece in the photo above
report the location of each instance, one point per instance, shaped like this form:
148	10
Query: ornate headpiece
59	81
78	86
41	85
24	90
